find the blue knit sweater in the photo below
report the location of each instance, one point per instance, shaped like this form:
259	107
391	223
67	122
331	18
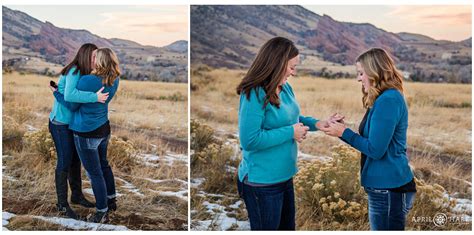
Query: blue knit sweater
266	136
386	165
89	116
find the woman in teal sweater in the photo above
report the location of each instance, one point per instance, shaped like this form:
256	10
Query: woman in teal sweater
68	166
270	124
385	173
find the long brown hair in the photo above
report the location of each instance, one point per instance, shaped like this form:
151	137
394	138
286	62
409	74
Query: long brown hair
106	66
268	69
382	74
82	61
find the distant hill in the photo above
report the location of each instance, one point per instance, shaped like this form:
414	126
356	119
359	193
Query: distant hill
178	46
41	47
230	36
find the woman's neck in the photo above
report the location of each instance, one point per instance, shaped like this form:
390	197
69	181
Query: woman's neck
279	89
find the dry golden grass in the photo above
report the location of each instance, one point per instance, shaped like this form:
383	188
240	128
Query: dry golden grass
439	134
146	118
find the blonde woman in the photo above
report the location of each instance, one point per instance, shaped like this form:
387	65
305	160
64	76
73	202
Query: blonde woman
385	173
91	129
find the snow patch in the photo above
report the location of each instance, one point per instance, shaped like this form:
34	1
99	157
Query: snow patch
66	222
168	159
309	157
130	187
195	183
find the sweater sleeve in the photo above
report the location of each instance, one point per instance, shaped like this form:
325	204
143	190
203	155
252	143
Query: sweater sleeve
69	105
306	120
382	127
252	136
309	122
72	94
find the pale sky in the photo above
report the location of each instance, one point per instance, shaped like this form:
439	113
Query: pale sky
439	22
148	25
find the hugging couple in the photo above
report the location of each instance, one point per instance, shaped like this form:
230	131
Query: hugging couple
270	125
80	129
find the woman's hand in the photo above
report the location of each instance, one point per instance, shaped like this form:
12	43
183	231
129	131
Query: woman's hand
335	129
336	117
53	89
299	132
102	97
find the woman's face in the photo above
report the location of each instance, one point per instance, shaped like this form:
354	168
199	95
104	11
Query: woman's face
290	69
362	77
94	53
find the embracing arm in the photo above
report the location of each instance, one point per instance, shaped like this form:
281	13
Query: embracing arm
69	105
252	135
72	94
382	127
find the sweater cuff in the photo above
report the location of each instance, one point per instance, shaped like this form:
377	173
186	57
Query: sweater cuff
55	94
311	123
291	132
347	135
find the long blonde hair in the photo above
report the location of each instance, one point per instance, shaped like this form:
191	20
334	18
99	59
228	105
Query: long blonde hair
106	66
382	74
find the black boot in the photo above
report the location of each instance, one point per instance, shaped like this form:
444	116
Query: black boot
75	182
112	204
99	217
81	200
61	191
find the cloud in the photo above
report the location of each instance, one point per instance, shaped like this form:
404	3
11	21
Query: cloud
434	15
150	28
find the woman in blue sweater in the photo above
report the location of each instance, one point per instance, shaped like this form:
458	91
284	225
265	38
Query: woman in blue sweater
91	128
381	139
68	165
270	124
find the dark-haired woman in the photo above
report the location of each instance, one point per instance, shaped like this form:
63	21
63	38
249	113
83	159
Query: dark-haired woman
270	124
68	166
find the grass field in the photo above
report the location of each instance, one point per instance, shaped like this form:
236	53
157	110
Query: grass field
439	145
148	155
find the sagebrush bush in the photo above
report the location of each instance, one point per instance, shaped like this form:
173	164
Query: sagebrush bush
330	192
12	133
212	159
430	200
121	153
40	142
201	135
19	113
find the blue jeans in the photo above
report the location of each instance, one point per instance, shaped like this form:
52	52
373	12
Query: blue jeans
67	161
269	207
388	210
93	155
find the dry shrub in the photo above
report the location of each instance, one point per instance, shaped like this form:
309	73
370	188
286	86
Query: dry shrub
121	153
211	159
201	135
41	143
215	159
330	193
430	200
12	134
20	112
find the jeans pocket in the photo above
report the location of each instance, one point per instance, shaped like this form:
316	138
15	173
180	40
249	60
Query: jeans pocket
408	201
93	143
